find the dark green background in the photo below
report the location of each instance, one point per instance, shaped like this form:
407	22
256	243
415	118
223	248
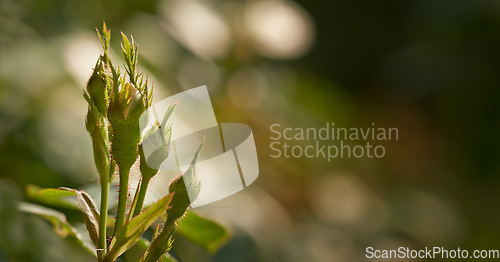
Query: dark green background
431	68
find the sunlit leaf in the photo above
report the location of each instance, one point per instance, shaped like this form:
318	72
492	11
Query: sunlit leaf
159	246
132	230
168	115
51	197
55	193
203	232
167	258
90	213
126	44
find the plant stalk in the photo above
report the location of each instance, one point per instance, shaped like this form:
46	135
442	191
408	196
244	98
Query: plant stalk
103	218
122	199
138	202
141	195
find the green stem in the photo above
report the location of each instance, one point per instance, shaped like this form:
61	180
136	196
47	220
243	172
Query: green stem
138	202
103	218
122	199
141	195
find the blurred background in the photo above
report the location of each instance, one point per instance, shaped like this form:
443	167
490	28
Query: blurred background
431	68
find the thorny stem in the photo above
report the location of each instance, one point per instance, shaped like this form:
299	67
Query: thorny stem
141	195
122	199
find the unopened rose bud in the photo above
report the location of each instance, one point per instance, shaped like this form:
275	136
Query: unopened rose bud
96	88
98	130
124	112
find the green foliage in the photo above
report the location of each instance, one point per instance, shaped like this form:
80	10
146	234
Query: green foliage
140	248
131	231
160	245
58	221
90	212
55	193
203	232
115	104
51	197
157	138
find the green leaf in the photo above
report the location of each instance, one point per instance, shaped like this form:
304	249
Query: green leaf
55	193
158	139
105	38
159	246
140	248
168	115
90	213
167	258
132	230
58	220
50	197
130	53
126	47
203	232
